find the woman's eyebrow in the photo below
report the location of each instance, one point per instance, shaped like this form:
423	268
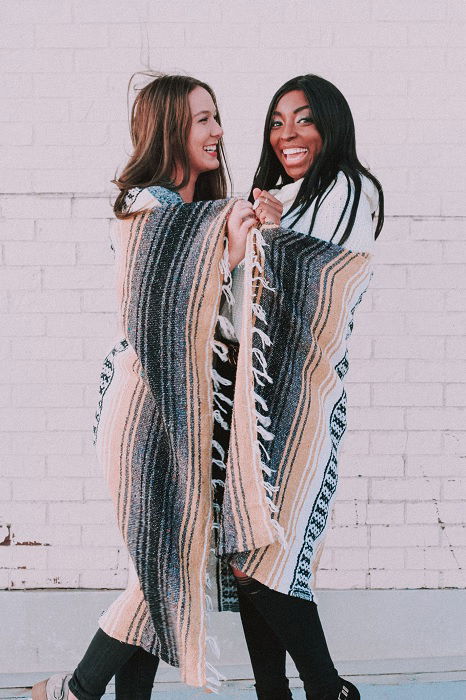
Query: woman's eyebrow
204	111
295	111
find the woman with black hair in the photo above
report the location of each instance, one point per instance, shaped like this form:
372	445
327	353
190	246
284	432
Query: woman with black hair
309	179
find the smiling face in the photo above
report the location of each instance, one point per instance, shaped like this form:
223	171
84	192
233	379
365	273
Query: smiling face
205	133
293	134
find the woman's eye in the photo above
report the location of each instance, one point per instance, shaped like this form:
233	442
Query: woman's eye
275	123
204	119
306	120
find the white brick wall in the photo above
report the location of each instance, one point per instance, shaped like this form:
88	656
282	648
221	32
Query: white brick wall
65	66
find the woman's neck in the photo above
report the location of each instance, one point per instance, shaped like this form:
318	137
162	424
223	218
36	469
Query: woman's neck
187	192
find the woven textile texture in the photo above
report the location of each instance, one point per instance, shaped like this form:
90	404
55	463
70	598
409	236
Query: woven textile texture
160	396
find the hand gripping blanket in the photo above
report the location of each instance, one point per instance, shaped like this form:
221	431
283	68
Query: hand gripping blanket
160	396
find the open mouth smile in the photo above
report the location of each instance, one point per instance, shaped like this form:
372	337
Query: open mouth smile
294	155
211	150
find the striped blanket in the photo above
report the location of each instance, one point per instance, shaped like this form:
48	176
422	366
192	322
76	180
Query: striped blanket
160	396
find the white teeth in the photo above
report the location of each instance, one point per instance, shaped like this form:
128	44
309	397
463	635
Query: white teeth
292	151
210	149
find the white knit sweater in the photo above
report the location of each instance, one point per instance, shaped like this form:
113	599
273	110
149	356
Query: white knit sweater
361	237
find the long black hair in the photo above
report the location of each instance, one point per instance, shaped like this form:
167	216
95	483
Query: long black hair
334	122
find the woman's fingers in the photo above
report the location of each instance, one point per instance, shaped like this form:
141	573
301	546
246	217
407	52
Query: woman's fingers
267	207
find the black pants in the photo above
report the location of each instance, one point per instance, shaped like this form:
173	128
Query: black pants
134	670
275	623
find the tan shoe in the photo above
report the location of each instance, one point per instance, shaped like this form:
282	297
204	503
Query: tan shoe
54	688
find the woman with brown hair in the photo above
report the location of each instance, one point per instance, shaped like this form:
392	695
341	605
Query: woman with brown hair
177	159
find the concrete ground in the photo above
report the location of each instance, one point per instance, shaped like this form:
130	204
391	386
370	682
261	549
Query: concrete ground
419	687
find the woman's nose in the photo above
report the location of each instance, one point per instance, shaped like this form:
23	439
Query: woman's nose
288	131
217	131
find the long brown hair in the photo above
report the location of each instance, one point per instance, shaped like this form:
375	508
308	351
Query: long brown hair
159	127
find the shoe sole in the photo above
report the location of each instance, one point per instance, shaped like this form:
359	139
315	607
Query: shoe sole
39	691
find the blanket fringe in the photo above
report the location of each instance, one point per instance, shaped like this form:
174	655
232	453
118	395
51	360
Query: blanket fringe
260	373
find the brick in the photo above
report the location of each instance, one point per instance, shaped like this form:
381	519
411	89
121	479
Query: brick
95	277
45	348
35	207
204	11
20	371
356	443
452	204
352	488
95	513
69	419
386	558
420	513
91	208
73	372
16	134
351	513
75	230
455	395
452	579
389	442
420	442
40	443
436	324
69	181
81	325
43	111
452	513
22	513
371	465
96	60
389	277
21	325
47	489
64	558
21	230
347	536
103	536
26	467
15	181
28	557
455	302
454	536
373	418
384	513
72	465
95	489
69	535
438	276
65	85
454	489
100	300
405	489
43	302
408	394
351	560
95	253
415	252
12	36
103	579
47	395
358	394
396	347
425	371
411	300
404	535
393	10
20	580
396	579
370	34
439	418
376	370
14	419
70	35
71	134
380	324
436	465
37	61
335	579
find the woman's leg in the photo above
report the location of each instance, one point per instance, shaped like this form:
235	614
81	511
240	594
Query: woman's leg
104	658
135	679
296	624
266	651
